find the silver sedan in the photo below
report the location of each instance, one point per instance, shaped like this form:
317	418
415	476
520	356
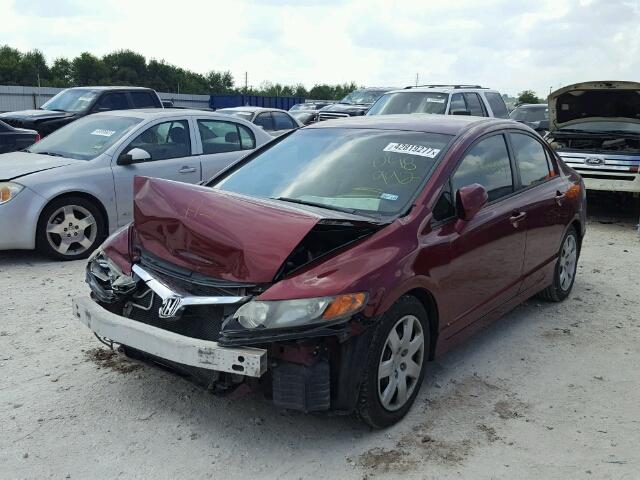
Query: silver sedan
67	192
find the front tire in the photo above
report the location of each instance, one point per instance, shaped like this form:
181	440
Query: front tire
566	268
70	228
395	364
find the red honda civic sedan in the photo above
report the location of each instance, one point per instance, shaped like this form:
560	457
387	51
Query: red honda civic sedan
327	267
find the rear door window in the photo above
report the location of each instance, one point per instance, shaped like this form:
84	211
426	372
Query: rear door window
497	104
282	121
265	121
531	159
247	139
486	163
218	136
475	104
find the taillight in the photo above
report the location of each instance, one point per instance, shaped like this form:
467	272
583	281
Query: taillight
38	138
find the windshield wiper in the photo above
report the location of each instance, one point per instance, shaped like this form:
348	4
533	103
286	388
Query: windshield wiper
53	154
353	211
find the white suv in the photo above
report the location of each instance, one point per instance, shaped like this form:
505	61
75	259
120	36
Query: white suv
442	99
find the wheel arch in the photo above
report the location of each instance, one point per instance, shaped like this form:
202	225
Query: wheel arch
428	301
87	196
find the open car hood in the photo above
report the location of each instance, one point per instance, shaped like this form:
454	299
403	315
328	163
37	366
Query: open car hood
594	101
233	237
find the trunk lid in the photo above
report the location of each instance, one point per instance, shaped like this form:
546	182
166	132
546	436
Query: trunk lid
594	101
216	233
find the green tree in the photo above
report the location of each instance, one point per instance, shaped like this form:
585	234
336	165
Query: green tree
126	67
33	69
528	96
9	65
219	82
61	73
87	69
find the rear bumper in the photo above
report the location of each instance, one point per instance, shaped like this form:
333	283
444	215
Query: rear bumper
171	346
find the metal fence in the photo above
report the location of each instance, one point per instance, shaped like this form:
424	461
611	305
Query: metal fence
14	98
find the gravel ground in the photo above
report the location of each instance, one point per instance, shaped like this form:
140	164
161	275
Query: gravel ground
550	391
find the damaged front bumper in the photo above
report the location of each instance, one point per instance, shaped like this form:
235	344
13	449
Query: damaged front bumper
171	346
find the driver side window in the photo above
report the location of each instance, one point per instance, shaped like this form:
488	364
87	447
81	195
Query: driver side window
165	140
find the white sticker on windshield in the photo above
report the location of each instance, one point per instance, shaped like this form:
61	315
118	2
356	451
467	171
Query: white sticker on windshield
102	132
86	99
388	196
435	100
419	150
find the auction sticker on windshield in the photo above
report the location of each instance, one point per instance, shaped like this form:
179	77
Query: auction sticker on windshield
419	150
435	100
102	132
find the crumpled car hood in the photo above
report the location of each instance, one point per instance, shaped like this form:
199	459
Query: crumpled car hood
216	233
594	101
18	164
345	108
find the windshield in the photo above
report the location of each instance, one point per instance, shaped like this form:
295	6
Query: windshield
85	138
359	97
237	113
73	100
410	102
603	127
530	114
369	171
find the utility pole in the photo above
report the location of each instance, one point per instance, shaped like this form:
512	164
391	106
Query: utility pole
417	76
246	81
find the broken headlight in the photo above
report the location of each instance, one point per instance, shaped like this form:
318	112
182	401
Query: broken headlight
106	279
294	313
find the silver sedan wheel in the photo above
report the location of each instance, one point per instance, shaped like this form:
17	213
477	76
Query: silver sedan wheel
71	230
568	260
400	363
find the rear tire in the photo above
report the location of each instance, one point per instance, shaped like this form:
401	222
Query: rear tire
565	271
70	228
395	365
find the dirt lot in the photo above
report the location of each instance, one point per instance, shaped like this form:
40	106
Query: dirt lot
550	391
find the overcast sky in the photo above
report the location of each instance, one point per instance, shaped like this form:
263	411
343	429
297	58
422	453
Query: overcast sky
509	45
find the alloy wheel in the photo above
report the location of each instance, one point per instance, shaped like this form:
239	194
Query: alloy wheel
71	230
400	363
568	261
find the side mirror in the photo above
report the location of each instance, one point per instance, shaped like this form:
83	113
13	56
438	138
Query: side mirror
460	112
135	155
469	201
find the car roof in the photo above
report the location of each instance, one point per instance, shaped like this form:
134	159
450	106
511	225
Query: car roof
250	109
151	113
115	87
423	122
444	89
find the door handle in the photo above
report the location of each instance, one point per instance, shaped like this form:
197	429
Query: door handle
560	196
186	169
517	217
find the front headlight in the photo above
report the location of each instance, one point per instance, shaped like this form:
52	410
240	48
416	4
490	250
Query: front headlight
293	313
8	190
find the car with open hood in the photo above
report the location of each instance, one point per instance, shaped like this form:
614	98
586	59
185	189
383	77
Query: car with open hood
327	267
595	128
74	103
65	193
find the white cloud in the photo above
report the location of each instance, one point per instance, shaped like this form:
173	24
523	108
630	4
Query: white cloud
506	44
